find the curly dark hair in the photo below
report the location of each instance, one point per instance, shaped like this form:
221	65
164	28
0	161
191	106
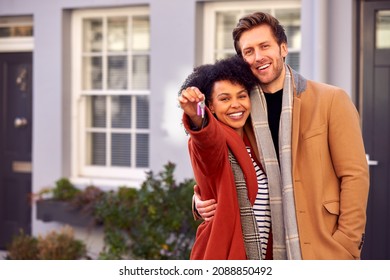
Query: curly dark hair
233	69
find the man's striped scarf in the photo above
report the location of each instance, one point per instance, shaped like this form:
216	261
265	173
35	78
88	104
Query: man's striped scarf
281	192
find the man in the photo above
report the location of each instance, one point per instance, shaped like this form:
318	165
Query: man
309	141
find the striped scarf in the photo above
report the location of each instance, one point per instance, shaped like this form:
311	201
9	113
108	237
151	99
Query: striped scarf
250	231
281	193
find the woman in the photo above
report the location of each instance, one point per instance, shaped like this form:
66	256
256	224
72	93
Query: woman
224	164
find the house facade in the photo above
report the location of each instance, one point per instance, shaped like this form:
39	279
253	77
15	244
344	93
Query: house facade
88	90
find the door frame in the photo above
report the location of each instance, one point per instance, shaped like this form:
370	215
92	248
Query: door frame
22	45
366	65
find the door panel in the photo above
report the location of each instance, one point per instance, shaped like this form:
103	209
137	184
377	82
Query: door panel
376	130
15	144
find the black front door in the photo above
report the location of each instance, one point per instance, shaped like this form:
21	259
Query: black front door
15	144
376	124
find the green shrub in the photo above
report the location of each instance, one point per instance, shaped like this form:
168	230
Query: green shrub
154	222
64	190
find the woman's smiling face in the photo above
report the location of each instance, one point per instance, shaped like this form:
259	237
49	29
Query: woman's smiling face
231	104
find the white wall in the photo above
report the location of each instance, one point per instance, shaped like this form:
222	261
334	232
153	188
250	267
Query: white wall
328	42
173	57
342	45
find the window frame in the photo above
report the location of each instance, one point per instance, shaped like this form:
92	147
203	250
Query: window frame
80	171
211	9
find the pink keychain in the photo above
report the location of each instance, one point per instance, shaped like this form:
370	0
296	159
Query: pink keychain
200	108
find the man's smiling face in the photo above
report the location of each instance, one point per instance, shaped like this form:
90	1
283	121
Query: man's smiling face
261	51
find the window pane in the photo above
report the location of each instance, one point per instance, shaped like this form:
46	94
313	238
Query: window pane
140	73
383	30
16	26
142	112
120	147
142	150
117	34
117	72
92	35
141	33
16	31
223	55
96	154
292	59
226	21
120	111
96	108
290	20
92	73
250	11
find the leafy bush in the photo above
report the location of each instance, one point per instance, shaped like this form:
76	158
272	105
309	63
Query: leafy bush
23	247
87	199
64	190
54	246
61	246
154	222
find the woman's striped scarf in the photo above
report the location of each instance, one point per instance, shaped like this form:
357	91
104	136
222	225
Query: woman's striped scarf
250	230
281	192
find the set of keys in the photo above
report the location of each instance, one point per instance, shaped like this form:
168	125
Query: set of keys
200	108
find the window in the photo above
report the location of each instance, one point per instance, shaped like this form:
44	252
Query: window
111	93
16	34
383	29
222	17
16	27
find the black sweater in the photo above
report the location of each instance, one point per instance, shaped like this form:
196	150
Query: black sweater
274	108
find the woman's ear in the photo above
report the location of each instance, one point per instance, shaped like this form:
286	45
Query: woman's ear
211	108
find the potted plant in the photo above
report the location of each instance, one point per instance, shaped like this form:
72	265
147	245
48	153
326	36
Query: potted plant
67	204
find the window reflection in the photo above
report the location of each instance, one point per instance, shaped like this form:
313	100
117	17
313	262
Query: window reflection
141	33
121	149
97	108
226	21
140	72
16	31
142	112
117	72
93	35
16	27
96	154
92	73
383	30
117	34
121	111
